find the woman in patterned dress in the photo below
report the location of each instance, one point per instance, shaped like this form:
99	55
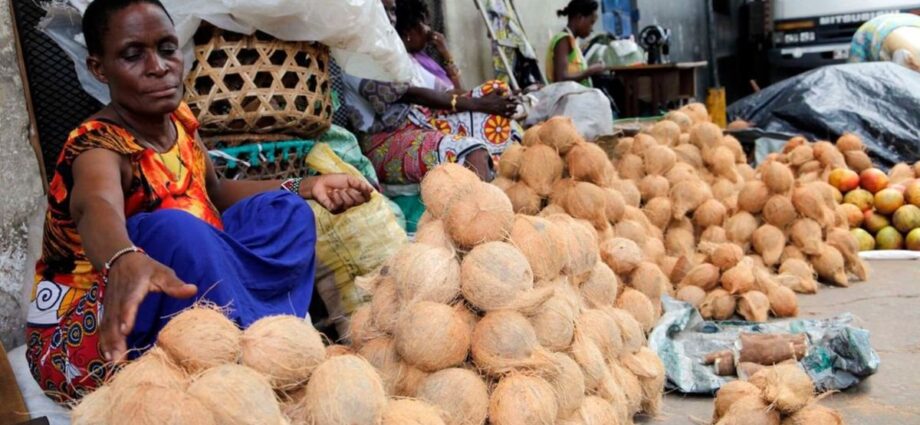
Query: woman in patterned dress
139	226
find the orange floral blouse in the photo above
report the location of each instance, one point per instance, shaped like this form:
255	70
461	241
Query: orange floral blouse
63	259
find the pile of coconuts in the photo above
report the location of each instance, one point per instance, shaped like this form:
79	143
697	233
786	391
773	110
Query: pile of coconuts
778	395
678	210
502	318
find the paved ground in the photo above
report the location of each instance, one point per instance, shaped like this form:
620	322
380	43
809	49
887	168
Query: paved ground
889	306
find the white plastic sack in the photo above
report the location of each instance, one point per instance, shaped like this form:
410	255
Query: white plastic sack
589	108
358	32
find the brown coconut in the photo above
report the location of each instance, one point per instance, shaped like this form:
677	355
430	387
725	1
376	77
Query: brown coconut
602	329
338	350
667	132
532	136
614	206
496	275
740	228
709	213
432	336
778	177
560	133
629	191
504	340
630	167
481	215
631	388
640	306
285	349
523	199
425	273
753	196
460	394
705	136
754	306
236	395
779	211
540	242
381	353
849	142
522	400
750	410
857	160
726	255
632	230
687	195
94	408
503	183
739	279
714	234
651	379
814	414
410	412
848	246
509	166
807	235
147	404
680	241
541	166
630	329
443	183
598	379
787	388
588	202
731	392
434	234
648	279
718	305
554	322
691	158
653	186
683	121
588	162
693	295
345	390
621	254
830	265
153	368
568	382
705	276
581	244
769	241
200	338
810	202
361	327
783	302
601	287
659	160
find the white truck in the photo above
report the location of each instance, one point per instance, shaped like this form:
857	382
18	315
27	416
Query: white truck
812	33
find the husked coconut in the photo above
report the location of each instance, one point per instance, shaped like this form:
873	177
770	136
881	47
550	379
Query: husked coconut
460	394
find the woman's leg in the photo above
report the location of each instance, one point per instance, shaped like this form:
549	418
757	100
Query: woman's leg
262	265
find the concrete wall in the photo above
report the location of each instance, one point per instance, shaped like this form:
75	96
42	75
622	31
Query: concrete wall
21	196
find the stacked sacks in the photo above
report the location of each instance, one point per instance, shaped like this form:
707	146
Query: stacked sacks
780	395
685	215
510	319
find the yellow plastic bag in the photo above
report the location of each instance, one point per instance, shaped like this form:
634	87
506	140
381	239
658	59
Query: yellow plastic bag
350	244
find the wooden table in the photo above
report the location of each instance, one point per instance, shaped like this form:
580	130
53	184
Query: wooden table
668	82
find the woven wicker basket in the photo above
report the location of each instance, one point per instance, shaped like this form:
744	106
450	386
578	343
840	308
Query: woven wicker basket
256	84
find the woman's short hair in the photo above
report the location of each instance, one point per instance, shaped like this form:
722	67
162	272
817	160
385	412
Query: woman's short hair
579	8
409	14
96	20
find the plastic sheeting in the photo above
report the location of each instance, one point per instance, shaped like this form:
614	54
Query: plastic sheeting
589	108
358	32
878	101
839	355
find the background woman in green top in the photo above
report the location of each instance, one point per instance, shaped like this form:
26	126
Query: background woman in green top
564	60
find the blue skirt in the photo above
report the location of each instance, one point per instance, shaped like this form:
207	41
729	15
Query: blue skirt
261	264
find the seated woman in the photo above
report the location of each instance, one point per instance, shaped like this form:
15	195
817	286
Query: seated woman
894	37
407	129
412	25
564	60
140	226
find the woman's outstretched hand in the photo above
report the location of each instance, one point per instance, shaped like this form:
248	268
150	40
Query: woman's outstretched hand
496	103
336	192
131	278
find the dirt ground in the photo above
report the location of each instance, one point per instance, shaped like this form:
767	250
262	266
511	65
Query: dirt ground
888	305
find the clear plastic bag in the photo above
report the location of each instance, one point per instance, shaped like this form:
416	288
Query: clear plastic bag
358	32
